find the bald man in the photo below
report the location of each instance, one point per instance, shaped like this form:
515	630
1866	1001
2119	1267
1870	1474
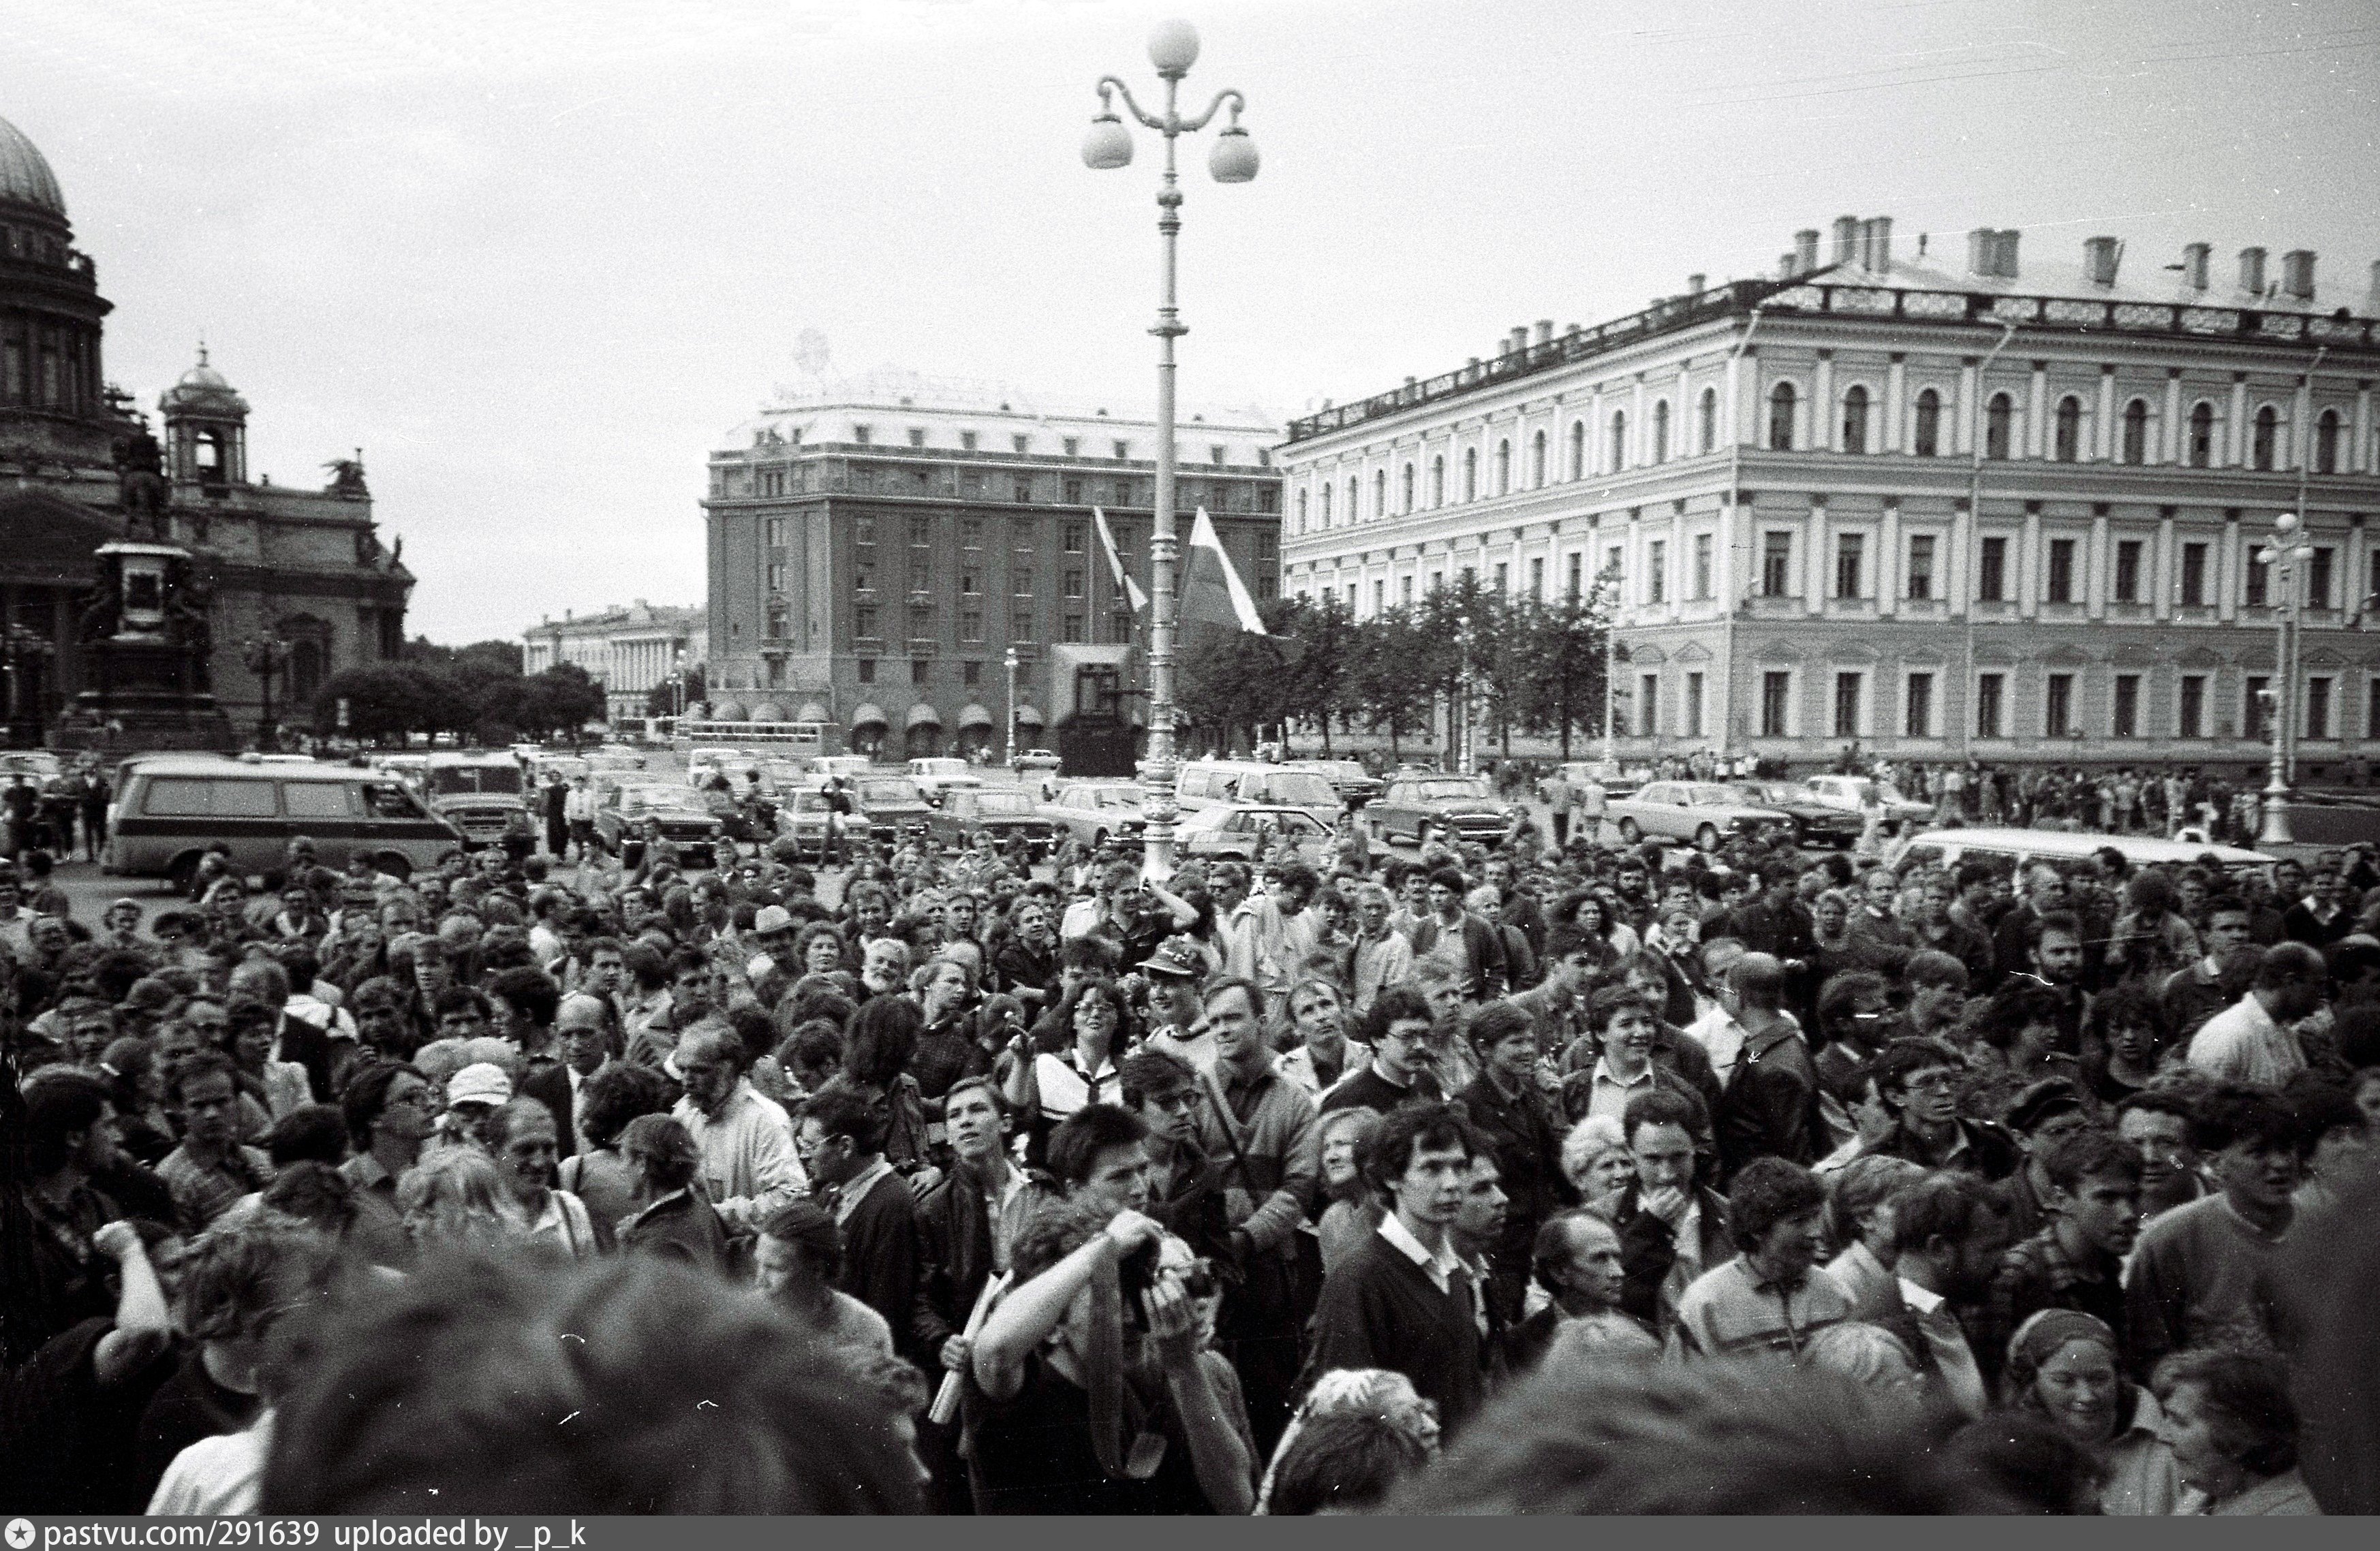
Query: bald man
582	1037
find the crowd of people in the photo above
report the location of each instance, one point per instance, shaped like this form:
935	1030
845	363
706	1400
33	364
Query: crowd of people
1587	1178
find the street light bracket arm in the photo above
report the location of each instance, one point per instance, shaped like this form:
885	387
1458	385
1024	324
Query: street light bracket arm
1229	95
1111	86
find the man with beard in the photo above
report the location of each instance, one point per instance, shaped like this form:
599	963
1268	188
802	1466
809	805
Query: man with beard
1948	1231
2012	938
1403	1065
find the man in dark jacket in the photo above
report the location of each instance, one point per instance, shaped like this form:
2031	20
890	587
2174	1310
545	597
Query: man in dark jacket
1770	1105
840	1143
1475	947
1508	1105
1918	1080
1670	1229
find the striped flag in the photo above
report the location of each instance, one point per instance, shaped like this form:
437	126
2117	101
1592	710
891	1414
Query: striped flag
1213	592
1130	589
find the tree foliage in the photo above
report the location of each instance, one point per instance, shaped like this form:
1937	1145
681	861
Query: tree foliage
477	693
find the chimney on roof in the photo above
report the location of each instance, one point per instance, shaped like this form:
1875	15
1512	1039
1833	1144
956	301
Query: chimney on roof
1846	238
2371	301
1875	244
1545	330
1695	284
1806	250
2194	264
1983	251
2297	275
1517	340
1573	331
2004	252
1409	381
2251	270
2099	255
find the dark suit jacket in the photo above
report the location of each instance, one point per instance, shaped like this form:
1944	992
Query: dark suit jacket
1648	1248
550	1086
953	1258
879	1252
1771	1104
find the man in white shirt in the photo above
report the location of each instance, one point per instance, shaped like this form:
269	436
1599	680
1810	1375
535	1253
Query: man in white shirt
2251	1042
747	1141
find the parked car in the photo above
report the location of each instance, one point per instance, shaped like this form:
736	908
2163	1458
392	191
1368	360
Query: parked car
686	820
1237	829
704	763
1037	759
1850	793
937	778
479	793
844	764
1704	812
968	812
1220	782
1354	784
802	817
892	804
1815	823
1422	805
168	809
1096	812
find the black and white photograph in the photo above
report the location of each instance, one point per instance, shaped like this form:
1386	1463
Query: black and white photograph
1184	757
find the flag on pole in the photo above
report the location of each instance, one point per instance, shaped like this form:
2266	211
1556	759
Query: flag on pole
1130	589
1213	592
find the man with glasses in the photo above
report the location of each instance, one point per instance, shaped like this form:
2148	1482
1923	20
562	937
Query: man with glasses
1403	1064
1919	1080
1185	1189
390	1111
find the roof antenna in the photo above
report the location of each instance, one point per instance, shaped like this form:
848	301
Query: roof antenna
202	350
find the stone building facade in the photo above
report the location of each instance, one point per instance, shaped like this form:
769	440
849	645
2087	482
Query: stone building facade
1935	503
629	651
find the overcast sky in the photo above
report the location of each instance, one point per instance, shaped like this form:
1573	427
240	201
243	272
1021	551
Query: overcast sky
536	256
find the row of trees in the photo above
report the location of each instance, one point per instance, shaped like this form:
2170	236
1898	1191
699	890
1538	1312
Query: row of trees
477	693
1535	667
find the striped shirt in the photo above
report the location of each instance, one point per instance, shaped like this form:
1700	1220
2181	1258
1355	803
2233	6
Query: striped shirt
1732	1310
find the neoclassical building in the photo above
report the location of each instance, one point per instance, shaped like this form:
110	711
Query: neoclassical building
303	565
629	651
1937	503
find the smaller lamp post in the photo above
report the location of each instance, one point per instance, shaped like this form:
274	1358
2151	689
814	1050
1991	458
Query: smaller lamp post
265	656
1008	660
2282	553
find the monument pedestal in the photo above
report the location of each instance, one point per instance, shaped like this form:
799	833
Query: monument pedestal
146	643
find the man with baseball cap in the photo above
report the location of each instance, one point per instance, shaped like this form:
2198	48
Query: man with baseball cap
473	1096
773	934
1178	1026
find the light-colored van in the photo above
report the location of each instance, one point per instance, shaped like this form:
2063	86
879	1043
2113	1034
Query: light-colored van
169	809
1948	848
1211	782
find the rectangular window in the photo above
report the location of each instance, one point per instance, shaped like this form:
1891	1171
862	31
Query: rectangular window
1073	587
777	576
970	674
2062	572
863	578
1074	492
2317	593
1990	689
867	670
1703	542
2317	709
1656	572
863	530
776	533
864	621
1538	579
1776	565
970	582
1851	556
970	625
1503	579
1075	535
2057	706
1404	590
1020	490
1073	446
917	670
917	436
1776	694
2126	721
1123	450
2372	708
1648	706
2189	721
1693	717
2128	570
2193	576
1847	705
1074	628
1379	595
1020	625
1921	565
1917	718
2258	712
921	532
2259	575
1991	571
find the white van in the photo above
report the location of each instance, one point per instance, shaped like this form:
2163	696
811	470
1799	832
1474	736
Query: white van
1210	782
1947	848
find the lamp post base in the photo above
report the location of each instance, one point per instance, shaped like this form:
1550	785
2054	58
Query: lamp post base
2274	829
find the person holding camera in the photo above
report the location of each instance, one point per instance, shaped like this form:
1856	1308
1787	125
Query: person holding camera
1088	1389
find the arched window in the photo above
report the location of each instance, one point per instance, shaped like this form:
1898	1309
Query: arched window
1437	479
1998	416
1301	511
1578	449
1855	420
2136	431
1406	479
2326	443
1707	422
1325	505
1619	449
2068	447
1470	473
1381	494
1929	424
1661	430
2269	426
1503	468
1780	418
1538	461
2201	435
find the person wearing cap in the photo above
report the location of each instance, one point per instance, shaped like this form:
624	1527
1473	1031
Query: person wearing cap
473	1096
2041	1114
1178	1023
772	936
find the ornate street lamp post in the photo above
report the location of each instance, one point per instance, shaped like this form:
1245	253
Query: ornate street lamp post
265	656
1173	48
1008	661
2282	552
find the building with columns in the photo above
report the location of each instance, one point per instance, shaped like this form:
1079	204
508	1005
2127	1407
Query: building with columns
879	545
1943	502
631	651
304	566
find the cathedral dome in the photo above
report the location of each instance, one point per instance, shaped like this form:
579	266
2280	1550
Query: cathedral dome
203	391
25	176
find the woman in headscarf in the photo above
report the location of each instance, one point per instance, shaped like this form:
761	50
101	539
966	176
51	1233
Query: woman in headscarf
2061	1366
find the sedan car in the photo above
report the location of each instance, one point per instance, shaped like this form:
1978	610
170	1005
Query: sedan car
1701	811
802	814
1037	759
1096	812
1815	823
935	778
1423	806
894	806
1851	794
1237	829
621	814
1354	784
968	812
